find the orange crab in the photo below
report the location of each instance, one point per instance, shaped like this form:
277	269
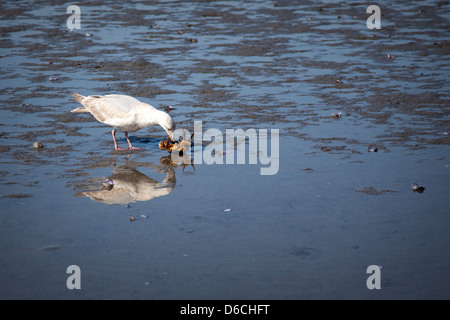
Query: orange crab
174	146
179	147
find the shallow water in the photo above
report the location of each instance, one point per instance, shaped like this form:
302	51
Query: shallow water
308	232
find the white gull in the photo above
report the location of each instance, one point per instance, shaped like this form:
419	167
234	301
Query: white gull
129	185
125	113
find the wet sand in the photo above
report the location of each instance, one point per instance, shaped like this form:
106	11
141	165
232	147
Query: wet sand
308	232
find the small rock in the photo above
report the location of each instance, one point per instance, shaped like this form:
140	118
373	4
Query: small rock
415	188
51	247
108	184
336	115
38	145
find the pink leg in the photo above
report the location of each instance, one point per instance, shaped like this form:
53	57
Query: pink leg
116	147
129	143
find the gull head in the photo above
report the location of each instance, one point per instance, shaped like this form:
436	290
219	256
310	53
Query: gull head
168	125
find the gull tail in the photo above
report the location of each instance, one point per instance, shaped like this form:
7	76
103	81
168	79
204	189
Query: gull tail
79	98
80	110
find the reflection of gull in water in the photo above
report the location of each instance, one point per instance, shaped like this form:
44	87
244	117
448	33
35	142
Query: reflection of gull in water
129	185
125	113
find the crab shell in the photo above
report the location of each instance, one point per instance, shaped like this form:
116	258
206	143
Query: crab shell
174	146
163	144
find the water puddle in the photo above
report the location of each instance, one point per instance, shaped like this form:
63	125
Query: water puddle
224	231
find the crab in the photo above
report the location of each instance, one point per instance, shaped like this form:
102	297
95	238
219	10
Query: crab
171	146
179	147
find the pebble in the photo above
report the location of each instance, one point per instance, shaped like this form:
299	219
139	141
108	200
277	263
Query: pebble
336	115
415	187
108	184
51	247
38	145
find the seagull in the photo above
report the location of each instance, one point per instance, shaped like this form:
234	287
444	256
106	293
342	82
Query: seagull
127	185
125	113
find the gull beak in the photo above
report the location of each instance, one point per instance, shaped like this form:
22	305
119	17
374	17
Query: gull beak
170	136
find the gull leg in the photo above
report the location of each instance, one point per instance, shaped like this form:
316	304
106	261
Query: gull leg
129	143
116	147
